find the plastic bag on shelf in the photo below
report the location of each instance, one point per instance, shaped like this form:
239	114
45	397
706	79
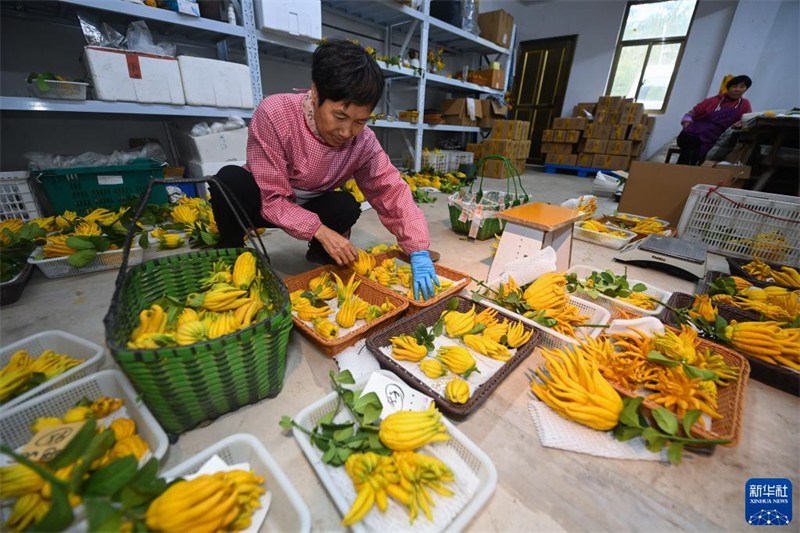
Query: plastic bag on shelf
42	161
99	34
469	16
202	128
139	39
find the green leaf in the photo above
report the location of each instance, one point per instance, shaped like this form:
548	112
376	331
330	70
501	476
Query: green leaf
286	422
42	84
366	399
207	238
371	414
82	258
658	357
675	452
593	293
80	243
624	433
100	443
653	440
112	477
639	287
630	412
343	434
345	378
72	451
689	419
100	243
327	419
666	420
102	516
144	240
452	304
328	456
692	372
60	514
343	453
477	329
438	327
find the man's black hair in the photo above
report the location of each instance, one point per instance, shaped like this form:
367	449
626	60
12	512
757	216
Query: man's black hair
343	71
739	79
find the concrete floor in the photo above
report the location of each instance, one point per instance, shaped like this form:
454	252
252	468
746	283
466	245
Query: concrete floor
539	489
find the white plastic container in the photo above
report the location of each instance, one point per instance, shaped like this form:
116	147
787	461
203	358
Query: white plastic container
299	18
222	147
462	455
59	267
603	239
121	75
61	342
210	82
15	423
16	197
614	305
287	512
455	158
61	90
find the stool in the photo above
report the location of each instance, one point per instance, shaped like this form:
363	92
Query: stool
674	149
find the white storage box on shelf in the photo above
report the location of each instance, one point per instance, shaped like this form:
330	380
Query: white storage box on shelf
617	307
16	197
299	18
222	147
15	423
603	239
60	342
59	267
287	511
740	223
476	476
210	82
121	75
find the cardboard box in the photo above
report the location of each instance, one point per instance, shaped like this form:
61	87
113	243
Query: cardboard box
595	146
461	111
523	150
661	190
738	173
598	131
585	160
651	122
496	169
633	115
511	129
557	148
496	26
504	147
603	116
566	123
610	103
580	109
638	132
619	132
548	136
611	162
475	148
619	147
572	136
489	77
567	160
638	148
491	111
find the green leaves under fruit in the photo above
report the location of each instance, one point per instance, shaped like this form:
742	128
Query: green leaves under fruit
82	258
666	420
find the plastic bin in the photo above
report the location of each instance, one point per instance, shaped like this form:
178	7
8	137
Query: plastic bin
456	158
288	512
614	305
83	188
61	90
61	342
435	160
16	197
59	267
11	290
734	222
603	239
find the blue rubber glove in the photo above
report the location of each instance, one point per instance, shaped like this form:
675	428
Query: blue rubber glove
424	275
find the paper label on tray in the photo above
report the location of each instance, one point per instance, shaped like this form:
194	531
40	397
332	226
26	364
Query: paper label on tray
110	180
49	441
395	395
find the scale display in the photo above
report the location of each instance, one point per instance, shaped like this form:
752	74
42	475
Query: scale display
681	258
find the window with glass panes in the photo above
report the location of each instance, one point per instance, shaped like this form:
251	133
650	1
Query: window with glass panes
649	51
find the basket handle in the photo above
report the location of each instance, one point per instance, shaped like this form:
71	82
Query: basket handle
233	203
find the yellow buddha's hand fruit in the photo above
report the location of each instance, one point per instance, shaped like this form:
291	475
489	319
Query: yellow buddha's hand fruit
457	391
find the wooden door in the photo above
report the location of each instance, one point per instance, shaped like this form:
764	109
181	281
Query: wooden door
540	83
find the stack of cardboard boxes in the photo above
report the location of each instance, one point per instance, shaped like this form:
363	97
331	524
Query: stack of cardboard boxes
615	135
510	139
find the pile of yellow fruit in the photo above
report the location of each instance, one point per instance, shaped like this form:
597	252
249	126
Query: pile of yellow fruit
761	271
599	227
391	275
769	341
67	224
445	182
406	475
24	372
772	302
233	299
648	226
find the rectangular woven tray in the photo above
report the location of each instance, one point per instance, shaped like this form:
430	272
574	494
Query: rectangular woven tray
775	376
736	267
368	291
428	318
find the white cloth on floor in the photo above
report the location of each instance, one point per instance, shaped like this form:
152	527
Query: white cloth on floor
358	360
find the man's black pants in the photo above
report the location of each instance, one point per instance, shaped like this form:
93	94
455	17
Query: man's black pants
338	210
690	149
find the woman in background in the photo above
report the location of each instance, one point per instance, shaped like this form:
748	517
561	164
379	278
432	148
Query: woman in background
703	125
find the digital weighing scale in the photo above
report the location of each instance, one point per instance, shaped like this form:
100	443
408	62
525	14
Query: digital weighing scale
680	258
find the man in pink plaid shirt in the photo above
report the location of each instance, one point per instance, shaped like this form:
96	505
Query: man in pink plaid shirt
301	147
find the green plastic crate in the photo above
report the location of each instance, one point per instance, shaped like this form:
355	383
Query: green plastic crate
84	188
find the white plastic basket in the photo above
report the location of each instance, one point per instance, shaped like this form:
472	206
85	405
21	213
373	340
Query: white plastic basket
59	267
61	342
455	158
614	305
16	197
469	463
550	337
15	423
732	221
603	239
436	160
61	90
287	512
636	218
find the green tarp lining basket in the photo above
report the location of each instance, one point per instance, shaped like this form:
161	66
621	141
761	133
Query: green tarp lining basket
185	386
474	213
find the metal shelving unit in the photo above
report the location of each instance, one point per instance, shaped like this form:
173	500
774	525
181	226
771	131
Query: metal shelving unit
18	103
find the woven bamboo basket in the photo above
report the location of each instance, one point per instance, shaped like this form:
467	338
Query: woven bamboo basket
736	267
369	291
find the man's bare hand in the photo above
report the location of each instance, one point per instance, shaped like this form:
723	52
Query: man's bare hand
339	248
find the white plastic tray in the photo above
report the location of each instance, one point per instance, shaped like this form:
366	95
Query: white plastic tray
58	267
288	512
476	477
603	239
15	423
61	342
614	305
637	218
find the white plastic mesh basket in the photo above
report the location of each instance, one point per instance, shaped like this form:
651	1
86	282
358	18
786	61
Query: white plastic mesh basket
15	423
436	160
287	512
61	342
455	158
603	239
615	306
59	267
734	222
475	477
16	197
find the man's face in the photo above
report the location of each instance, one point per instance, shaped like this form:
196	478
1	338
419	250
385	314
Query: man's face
736	91
338	122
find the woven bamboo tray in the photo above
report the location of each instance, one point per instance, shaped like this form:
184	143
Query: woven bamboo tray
713	275
368	291
780	377
428	317
730	399
736	267
460	281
